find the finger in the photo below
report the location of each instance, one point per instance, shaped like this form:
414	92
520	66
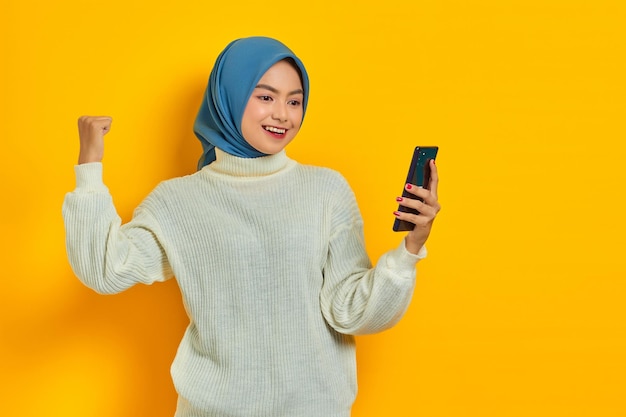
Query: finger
103	123
426	215
420	206
416	190
99	124
434	178
95	119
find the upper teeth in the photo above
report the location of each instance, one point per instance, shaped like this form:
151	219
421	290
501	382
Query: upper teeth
275	129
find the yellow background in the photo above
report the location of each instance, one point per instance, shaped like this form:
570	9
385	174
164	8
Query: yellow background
519	309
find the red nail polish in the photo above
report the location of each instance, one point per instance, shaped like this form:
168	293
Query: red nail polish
396	213
409	186
398	198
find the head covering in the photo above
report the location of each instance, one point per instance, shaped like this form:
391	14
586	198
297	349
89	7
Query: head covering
236	72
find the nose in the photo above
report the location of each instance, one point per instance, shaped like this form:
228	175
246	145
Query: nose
280	112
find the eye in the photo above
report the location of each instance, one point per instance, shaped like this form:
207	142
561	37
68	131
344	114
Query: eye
264	98
294	103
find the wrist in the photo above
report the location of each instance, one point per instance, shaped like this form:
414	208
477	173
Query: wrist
88	157
413	246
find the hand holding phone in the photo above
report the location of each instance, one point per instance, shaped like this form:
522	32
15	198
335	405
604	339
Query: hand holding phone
418	174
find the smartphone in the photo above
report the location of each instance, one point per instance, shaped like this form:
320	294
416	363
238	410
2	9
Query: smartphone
419	174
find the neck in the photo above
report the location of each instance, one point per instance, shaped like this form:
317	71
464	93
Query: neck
248	167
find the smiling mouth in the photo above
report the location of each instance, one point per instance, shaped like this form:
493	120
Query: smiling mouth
276	130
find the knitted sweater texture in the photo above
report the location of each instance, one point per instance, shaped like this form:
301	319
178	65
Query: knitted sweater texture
271	263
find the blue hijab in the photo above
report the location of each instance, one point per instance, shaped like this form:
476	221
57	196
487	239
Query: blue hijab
236	72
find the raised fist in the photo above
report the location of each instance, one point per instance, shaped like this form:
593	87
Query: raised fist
91	131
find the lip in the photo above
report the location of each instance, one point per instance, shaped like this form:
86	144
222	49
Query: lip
274	134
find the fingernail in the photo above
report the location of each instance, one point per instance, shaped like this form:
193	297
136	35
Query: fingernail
396	213
398	198
409	186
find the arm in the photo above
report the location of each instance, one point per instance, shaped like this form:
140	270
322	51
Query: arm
105	255
356	298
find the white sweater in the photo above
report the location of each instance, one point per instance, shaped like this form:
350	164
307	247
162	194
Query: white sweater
270	260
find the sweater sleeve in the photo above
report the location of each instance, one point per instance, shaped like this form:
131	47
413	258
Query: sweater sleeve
104	254
356	297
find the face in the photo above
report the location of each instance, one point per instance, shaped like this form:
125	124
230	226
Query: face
274	111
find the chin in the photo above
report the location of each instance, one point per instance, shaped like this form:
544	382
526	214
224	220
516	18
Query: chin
273	149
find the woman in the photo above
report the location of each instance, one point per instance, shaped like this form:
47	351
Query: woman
268	253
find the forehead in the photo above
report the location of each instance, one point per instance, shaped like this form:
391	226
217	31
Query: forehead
282	73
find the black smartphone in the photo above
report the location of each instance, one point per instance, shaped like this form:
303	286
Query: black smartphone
419	174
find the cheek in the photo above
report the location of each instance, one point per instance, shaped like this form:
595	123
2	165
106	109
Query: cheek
249	118
246	125
296	116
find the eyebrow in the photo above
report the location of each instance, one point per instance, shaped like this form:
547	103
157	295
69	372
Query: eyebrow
275	91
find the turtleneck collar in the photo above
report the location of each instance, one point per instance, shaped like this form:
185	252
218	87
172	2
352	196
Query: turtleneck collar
228	164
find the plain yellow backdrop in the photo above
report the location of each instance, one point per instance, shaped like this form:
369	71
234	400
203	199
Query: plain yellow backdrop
519	309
